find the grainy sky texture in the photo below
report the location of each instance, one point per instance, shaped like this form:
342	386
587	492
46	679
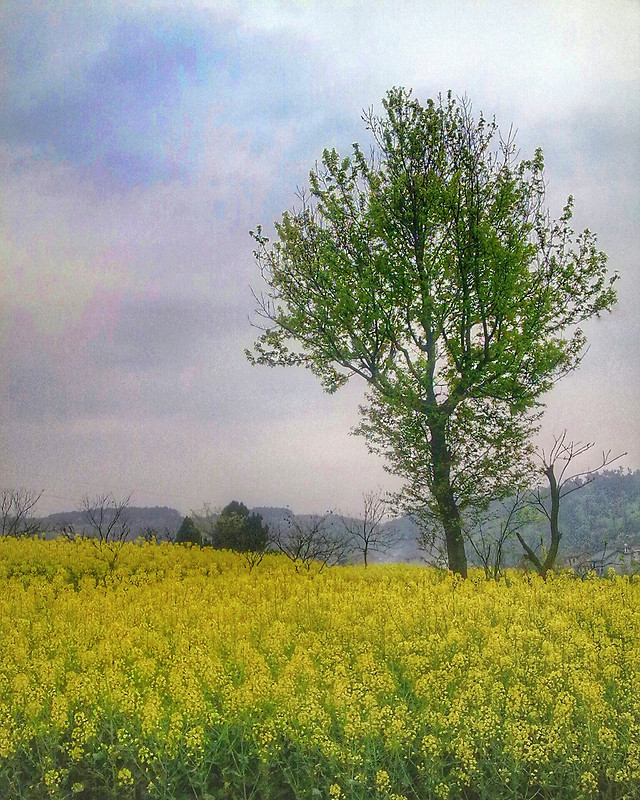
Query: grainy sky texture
141	141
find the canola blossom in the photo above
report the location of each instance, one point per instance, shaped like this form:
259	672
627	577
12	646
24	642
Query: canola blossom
173	672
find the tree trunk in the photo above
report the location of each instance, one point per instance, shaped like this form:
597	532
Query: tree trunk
549	562
456	553
554	491
447	506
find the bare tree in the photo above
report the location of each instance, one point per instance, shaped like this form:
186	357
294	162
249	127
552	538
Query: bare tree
312	541
252	558
108	525
16	512
156	535
369	534
489	533
106	517
554	465
70	533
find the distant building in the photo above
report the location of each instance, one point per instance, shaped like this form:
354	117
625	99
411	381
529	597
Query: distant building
578	562
625	560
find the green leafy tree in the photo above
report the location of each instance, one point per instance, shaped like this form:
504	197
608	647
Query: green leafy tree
188	533
238	529
433	271
489	460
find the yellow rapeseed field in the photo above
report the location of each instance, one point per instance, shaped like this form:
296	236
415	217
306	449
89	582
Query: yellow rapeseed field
180	673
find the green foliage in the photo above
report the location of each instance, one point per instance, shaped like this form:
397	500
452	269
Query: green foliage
237	529
188	533
433	271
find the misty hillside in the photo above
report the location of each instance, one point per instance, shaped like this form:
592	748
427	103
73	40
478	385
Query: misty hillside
605	510
160	518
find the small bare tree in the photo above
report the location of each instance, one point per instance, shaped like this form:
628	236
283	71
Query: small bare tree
252	558
16	512
369	534
490	532
313	541
151	534
107	518
70	533
108	525
554	465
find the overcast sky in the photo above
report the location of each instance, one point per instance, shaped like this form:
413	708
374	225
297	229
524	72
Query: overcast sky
141	141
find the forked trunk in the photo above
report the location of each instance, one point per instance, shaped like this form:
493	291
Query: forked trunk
554	491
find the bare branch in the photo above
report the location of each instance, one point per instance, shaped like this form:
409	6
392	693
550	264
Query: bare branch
555	465
16	512
369	534
314	542
109	528
106	517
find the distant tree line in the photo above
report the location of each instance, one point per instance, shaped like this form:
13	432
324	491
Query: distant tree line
321	540
575	512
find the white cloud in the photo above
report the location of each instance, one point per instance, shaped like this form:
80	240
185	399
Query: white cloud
183	415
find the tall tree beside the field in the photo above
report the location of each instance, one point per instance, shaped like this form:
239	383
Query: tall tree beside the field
490	460
433	271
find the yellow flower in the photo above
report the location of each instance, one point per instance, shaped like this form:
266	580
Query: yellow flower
52	778
383	784
181	646
125	778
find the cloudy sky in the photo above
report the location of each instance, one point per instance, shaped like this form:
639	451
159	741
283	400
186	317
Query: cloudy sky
141	141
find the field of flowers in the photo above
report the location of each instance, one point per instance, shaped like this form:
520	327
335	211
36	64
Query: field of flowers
180	673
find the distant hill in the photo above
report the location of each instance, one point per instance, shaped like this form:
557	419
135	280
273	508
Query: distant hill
273	515
607	510
160	518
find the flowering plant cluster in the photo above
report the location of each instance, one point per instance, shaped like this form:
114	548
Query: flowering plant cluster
183	674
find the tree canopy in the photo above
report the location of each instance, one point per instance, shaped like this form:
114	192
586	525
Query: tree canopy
238	529
433	270
188	532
